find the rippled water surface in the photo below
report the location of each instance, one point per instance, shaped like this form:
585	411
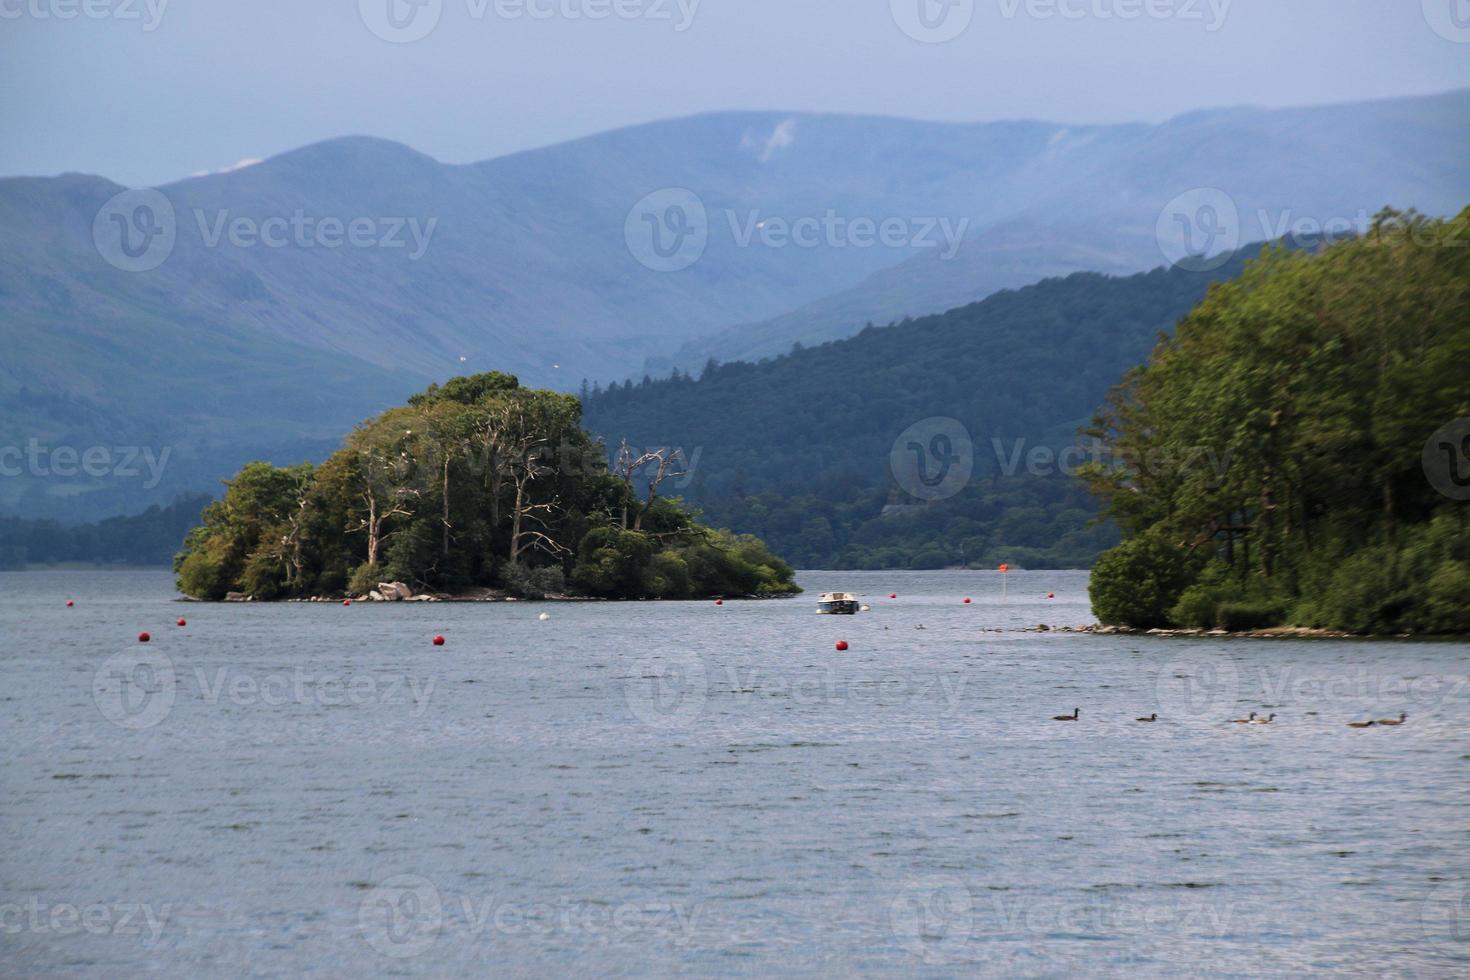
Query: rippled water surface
680	787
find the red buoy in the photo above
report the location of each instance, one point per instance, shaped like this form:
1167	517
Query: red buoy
1051	595
69	603
842	644
144	637
346	602
893	595
182	621
967	600
719	602
438	641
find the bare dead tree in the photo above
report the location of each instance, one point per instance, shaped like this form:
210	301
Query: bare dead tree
670	464
523	450
384	495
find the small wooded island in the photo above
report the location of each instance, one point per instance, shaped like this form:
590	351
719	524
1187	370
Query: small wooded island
478	484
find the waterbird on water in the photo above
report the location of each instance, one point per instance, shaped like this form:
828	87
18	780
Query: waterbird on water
1360	724
1071	717
1152	717
1263	721
1243	721
1403	715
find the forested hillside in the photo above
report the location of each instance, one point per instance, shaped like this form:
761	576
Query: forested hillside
1333	391
797	449
149	538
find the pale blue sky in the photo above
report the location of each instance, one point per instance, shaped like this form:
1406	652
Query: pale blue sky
216	81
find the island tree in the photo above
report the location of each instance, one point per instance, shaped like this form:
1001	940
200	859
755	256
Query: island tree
476	483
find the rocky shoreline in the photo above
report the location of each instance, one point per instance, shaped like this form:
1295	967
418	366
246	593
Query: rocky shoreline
1271	633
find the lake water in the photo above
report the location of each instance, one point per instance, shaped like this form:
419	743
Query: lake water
678	787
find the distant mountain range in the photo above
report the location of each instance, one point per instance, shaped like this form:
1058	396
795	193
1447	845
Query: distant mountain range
290	298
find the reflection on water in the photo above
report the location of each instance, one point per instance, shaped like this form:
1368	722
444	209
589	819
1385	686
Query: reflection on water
632	788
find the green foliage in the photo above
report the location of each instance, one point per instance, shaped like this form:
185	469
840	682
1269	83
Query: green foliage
1447	602
1138	582
149	538
201	576
1280	431
263	576
476	483
613	562
364	579
796	448
1239	616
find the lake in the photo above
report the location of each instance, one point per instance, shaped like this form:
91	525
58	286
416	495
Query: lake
634	788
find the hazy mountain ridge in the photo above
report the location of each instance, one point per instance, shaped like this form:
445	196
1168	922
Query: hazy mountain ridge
525	267
1278	166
